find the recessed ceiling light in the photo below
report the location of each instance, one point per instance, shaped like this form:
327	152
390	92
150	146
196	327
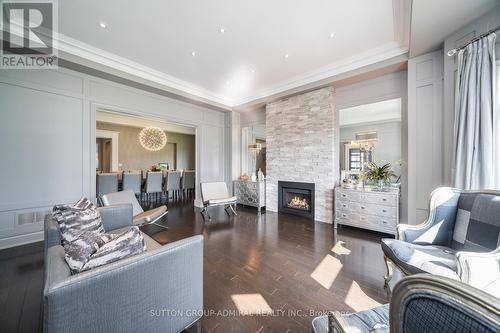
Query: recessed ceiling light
102	25
222	30
286	56
332	34
193	53
252	70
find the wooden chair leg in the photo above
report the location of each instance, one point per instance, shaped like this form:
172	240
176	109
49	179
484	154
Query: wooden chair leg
389	271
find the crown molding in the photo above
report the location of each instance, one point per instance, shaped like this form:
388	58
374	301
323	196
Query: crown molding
96	55
370	57
70	47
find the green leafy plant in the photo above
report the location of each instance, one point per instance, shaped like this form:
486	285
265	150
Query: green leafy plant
378	173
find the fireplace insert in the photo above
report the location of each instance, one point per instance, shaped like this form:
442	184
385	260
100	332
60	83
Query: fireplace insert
296	198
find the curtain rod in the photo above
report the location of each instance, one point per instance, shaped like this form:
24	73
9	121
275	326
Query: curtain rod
452	52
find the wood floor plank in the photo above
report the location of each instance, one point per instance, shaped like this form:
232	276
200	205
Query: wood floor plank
290	265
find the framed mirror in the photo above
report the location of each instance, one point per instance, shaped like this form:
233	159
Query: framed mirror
253	149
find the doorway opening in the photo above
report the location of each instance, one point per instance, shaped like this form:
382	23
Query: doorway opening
153	158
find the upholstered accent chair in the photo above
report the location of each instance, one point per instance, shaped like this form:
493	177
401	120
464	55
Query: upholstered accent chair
216	194
140	217
460	239
421	303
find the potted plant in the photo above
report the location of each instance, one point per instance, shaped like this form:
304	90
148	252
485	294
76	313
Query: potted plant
379	174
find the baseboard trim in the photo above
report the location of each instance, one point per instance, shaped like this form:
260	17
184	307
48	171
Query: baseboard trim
13	241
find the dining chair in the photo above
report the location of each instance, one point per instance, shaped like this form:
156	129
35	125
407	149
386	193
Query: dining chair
154	180
188	180
173	183
132	181
106	183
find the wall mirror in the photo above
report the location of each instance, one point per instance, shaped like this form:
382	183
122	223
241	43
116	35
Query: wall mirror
253	149
370	133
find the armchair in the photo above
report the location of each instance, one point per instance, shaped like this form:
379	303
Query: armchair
460	239
421	303
141	217
216	194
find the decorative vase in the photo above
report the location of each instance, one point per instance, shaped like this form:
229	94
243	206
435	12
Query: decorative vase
254	177
260	175
381	184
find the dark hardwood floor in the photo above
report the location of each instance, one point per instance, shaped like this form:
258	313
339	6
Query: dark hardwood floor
253	263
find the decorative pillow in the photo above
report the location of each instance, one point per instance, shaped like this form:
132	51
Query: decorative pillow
481	271
74	220
78	252
124	245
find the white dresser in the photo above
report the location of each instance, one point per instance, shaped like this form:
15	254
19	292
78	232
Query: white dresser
367	209
250	193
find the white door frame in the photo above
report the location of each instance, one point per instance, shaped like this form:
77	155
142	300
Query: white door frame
114	136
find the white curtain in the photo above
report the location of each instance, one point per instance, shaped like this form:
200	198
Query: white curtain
475	130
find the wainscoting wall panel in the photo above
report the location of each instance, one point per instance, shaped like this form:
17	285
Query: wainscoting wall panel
47	131
425	137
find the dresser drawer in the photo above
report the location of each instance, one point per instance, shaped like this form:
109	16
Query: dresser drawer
367	222
343	205
372	209
350	196
381	199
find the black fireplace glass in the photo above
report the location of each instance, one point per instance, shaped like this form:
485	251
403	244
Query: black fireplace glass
296	198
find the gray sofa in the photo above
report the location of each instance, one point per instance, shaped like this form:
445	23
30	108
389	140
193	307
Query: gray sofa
160	290
459	240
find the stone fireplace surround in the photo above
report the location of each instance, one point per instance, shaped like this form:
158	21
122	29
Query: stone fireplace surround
301	147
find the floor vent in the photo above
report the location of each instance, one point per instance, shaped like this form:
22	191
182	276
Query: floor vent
31	217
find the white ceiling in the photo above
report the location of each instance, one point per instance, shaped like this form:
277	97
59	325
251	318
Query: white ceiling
389	110
434	20
155	39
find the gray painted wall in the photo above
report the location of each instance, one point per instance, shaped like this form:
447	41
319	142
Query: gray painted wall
257	116
47	130
133	156
425	132
389	86
431	99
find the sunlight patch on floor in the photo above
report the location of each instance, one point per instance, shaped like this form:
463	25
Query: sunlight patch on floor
340	249
358	300
327	270
251	304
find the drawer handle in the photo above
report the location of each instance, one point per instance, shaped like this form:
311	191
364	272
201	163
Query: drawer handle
344	205
343	195
362	207
363	218
384	199
344	215
383	210
384	222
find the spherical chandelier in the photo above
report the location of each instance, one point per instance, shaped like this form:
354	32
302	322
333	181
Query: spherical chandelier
152	138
